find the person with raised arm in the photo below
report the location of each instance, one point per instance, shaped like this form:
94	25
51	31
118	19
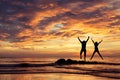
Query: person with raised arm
83	49
96	49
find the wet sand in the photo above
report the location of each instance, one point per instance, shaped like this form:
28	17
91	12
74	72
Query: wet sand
81	68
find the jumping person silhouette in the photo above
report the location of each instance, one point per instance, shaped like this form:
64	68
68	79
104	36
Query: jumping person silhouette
96	49
83	49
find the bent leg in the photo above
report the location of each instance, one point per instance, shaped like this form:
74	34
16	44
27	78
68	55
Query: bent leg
92	55
100	55
81	54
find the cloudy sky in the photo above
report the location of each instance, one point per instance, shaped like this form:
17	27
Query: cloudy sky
51	27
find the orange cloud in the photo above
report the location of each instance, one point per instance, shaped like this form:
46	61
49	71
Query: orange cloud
54	25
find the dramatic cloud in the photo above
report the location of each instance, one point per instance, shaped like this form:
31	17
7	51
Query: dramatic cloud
27	23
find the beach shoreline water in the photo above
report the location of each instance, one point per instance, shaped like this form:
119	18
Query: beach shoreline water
77	68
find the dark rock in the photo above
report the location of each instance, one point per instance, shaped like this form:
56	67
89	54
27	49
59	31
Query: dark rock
69	61
60	61
64	62
24	65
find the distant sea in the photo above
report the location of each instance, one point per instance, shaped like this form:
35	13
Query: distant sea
60	72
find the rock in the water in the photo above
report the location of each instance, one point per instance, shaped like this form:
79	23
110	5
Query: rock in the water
24	65
68	61
60	61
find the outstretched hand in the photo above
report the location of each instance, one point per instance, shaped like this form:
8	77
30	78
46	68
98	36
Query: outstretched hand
88	38
79	39
92	40
101	40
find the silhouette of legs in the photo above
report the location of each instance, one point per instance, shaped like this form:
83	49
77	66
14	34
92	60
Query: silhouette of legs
92	55
81	54
100	55
84	55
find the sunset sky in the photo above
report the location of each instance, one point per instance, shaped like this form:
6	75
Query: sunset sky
49	28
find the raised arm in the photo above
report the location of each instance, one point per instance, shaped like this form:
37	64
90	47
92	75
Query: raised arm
92	40
87	38
79	39
100	41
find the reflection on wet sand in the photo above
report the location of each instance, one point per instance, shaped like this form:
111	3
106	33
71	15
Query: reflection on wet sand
21	70
97	70
56	76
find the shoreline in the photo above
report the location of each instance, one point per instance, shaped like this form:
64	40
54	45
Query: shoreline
59	62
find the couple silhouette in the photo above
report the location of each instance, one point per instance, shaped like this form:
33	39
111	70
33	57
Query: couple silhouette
83	49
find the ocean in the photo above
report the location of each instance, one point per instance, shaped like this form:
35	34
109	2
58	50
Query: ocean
59	72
